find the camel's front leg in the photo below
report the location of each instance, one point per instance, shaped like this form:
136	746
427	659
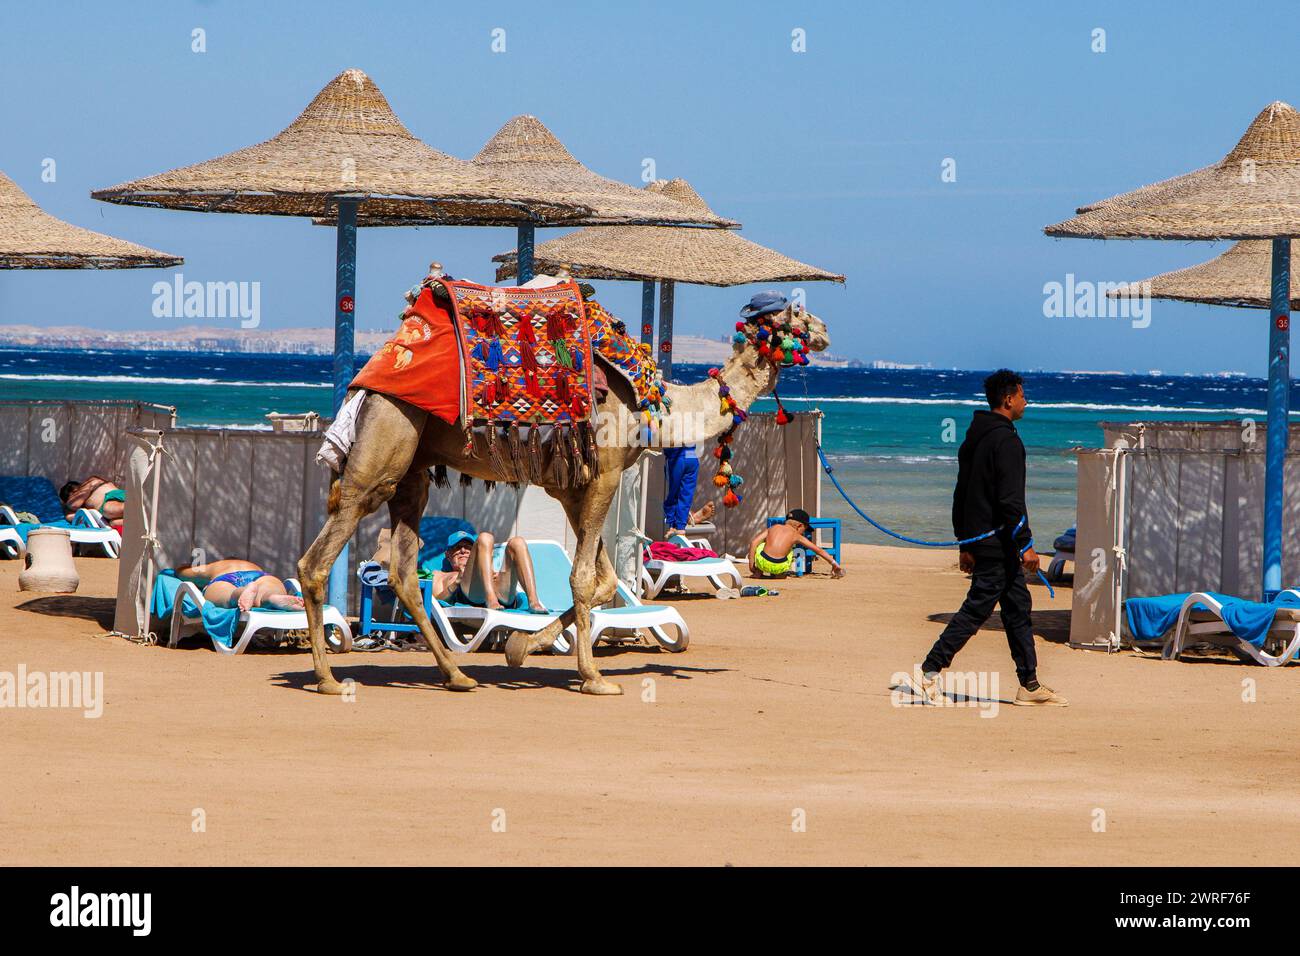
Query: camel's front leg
522	643
592	506
405	508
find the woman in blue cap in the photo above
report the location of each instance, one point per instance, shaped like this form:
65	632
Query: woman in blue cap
467	575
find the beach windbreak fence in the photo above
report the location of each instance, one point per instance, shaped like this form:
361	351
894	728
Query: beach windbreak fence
1162	519
70	441
780	468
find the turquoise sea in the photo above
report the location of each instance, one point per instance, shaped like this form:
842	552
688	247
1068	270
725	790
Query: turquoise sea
891	435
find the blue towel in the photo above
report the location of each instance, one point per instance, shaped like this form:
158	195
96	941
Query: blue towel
221	623
1066	541
32	493
1150	617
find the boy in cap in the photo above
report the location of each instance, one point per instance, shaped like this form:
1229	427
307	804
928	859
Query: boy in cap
771	553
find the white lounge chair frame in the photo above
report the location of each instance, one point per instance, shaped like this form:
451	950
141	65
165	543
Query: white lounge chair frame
1285	628
655	574
1056	569
101	534
631	617
603	620
258	619
11	542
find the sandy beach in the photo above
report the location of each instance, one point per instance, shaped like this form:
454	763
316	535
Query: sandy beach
780	705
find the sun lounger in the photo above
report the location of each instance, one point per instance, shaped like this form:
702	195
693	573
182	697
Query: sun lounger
1268	633
550	559
552	590
37	496
230	629
1063	551
656	574
12	544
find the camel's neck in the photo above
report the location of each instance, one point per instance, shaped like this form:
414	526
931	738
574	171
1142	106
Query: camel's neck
697	410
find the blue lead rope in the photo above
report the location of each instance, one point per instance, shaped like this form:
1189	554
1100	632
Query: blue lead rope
830	473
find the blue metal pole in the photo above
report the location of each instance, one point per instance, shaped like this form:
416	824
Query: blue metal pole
345	288
665	357
1279	423
648	313
524	254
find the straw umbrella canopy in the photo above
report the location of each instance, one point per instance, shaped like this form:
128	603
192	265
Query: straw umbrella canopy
526	151
1238	277
1252	193
347	144
31	238
715	257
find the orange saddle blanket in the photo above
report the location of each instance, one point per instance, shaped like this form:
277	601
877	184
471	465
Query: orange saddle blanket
511	367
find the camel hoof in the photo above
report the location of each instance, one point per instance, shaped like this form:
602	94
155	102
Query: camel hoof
459	681
518	647
331	687
601	688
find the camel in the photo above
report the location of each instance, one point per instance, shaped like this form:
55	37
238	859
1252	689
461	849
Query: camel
397	443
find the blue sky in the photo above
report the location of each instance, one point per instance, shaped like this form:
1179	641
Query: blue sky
833	155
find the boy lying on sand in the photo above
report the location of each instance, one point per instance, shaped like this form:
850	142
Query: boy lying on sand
771	553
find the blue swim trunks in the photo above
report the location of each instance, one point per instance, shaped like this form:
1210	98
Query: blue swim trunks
240	579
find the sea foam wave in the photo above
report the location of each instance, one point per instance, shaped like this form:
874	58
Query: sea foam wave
1079	406
159	380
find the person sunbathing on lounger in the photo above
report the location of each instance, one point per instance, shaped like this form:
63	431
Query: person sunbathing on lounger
467	577
242	584
98	494
771	553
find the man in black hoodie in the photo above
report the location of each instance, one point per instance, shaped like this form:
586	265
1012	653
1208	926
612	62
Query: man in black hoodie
990	496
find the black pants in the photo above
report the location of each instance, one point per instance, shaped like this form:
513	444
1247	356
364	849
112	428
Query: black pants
996	580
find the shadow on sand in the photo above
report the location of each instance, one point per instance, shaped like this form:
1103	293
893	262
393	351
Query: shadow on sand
97	609
1052	626
498	675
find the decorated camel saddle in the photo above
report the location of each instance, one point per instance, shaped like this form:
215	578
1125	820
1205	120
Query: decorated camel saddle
516	369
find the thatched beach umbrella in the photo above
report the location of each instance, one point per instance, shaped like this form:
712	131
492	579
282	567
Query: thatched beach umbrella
31	238
1239	277
525	151
716	257
347	153
1252	193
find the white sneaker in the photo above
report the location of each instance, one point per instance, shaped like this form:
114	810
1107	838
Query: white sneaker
929	689
726	594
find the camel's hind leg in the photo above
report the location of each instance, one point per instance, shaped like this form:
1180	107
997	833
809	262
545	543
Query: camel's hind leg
405	508
313	574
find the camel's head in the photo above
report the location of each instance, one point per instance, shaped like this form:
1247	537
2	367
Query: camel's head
818	338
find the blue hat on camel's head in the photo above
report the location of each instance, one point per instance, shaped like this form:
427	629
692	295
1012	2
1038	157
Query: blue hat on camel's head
765	303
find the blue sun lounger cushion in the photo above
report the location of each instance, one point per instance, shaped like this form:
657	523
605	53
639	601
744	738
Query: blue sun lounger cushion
1150	617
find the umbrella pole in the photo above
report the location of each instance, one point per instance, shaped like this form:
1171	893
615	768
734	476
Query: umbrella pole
647	313
1279	400
666	328
524	254
345	287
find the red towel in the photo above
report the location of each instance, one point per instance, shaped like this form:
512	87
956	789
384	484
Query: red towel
667	551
